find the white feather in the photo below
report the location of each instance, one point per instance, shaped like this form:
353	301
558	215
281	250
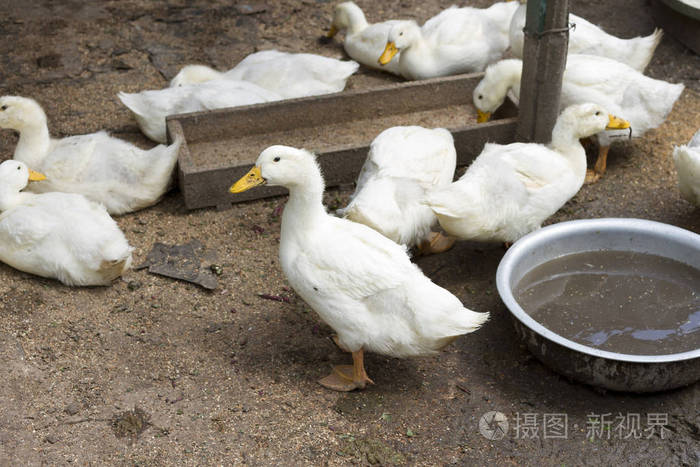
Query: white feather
587	38
687	161
403	164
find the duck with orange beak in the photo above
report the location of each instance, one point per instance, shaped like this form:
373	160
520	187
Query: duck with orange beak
510	190
360	283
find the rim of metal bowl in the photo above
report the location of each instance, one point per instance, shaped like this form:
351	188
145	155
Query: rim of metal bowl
542	237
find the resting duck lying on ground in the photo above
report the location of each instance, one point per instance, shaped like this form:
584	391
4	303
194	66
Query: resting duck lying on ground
58	235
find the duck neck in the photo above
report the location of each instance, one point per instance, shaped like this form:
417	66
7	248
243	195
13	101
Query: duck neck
33	145
418	57
510	72
356	19
565	140
305	206
10	197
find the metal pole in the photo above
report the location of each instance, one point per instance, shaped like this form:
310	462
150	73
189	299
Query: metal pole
544	59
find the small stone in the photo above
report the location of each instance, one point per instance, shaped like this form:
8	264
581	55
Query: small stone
133	285
52	439
49	61
249	8
122	308
72	409
120	65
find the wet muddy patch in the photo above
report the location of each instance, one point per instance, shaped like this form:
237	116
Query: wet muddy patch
130	424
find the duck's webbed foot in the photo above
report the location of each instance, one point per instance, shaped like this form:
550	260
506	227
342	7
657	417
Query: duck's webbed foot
436	243
346	378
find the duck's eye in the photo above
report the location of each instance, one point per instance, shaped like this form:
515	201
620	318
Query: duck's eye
597	113
19	168
480	96
401	33
276	159
4	107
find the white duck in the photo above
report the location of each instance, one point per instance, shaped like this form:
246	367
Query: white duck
108	170
644	102
359	282
363	42
509	190
59	235
457	40
587	38
687	161
288	75
151	107
403	163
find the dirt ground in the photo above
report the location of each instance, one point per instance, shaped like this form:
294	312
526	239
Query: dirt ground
161	372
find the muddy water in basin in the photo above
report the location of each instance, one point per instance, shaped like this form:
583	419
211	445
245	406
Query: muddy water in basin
625	302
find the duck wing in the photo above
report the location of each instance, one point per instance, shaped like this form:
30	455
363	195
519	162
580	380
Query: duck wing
354	260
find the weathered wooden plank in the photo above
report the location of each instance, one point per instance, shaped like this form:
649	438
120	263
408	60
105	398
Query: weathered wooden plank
544	60
312	111
207	184
680	20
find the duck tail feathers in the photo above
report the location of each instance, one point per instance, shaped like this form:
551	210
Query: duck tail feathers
132	101
643	50
110	270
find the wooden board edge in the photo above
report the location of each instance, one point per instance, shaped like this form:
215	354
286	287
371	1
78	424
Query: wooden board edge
209	187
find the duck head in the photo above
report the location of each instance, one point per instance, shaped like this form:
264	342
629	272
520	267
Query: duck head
401	36
193	74
589	119
15	175
346	15
280	165
491	91
17	113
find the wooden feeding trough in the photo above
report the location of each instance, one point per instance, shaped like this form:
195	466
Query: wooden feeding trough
221	145
681	18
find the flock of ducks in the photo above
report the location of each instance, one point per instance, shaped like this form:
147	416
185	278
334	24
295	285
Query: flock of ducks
352	268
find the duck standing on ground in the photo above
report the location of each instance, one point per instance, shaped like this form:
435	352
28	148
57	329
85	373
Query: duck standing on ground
643	101
587	38
687	161
58	235
509	190
457	40
359	282
363	42
402	165
108	170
